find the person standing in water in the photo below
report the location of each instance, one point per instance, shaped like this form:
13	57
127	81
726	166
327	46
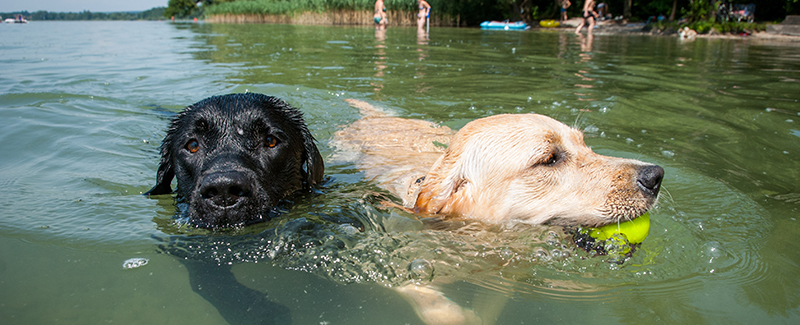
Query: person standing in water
380	15
564	5
588	14
422	16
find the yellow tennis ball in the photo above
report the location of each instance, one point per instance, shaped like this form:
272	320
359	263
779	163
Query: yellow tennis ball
635	230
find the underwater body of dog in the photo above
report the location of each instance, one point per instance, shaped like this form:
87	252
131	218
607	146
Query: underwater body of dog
502	170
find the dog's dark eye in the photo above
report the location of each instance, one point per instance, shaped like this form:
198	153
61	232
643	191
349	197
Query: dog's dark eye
193	146
271	141
551	159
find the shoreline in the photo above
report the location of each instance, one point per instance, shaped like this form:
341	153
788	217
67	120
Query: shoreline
607	27
332	18
408	19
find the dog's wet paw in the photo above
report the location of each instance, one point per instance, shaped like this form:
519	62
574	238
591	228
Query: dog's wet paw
434	308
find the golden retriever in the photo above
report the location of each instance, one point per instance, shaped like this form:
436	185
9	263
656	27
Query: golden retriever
523	168
686	33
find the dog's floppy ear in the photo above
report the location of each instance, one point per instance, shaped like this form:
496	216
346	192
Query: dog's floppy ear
166	171
313	167
441	192
165	174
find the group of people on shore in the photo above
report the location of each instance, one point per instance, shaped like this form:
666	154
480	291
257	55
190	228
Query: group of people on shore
588	12
381	20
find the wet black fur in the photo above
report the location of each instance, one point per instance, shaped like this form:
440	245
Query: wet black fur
232	132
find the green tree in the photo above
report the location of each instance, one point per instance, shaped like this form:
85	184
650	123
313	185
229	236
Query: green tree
700	10
180	8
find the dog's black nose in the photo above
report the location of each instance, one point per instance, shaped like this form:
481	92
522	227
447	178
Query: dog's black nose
650	179
225	189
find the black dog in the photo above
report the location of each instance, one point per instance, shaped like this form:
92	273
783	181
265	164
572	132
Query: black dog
235	157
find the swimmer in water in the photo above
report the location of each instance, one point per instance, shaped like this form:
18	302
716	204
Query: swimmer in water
380	15
422	16
588	14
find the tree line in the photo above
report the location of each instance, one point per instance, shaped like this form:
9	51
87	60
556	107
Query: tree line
152	14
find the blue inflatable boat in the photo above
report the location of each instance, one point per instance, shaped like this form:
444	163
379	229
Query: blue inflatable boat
504	25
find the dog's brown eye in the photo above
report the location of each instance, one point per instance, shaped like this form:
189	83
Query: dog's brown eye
271	141
193	146
551	159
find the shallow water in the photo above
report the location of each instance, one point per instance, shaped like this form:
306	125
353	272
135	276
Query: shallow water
84	106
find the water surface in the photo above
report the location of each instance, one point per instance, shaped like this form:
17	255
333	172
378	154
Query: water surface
84	106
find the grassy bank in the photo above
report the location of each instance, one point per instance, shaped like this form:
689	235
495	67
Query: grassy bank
400	12
334	17
320	12
271	7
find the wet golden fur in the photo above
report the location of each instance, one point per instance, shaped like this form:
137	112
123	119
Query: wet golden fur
505	168
513	167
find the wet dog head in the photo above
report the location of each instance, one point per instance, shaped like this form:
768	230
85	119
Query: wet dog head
534	169
235	157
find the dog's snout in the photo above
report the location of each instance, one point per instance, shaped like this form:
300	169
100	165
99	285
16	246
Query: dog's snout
649	179
225	189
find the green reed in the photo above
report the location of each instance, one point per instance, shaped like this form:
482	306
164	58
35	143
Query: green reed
278	7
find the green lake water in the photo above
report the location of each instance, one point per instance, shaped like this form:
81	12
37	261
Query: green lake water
84	106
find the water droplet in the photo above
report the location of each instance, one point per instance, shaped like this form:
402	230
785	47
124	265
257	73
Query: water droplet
713	249
421	269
